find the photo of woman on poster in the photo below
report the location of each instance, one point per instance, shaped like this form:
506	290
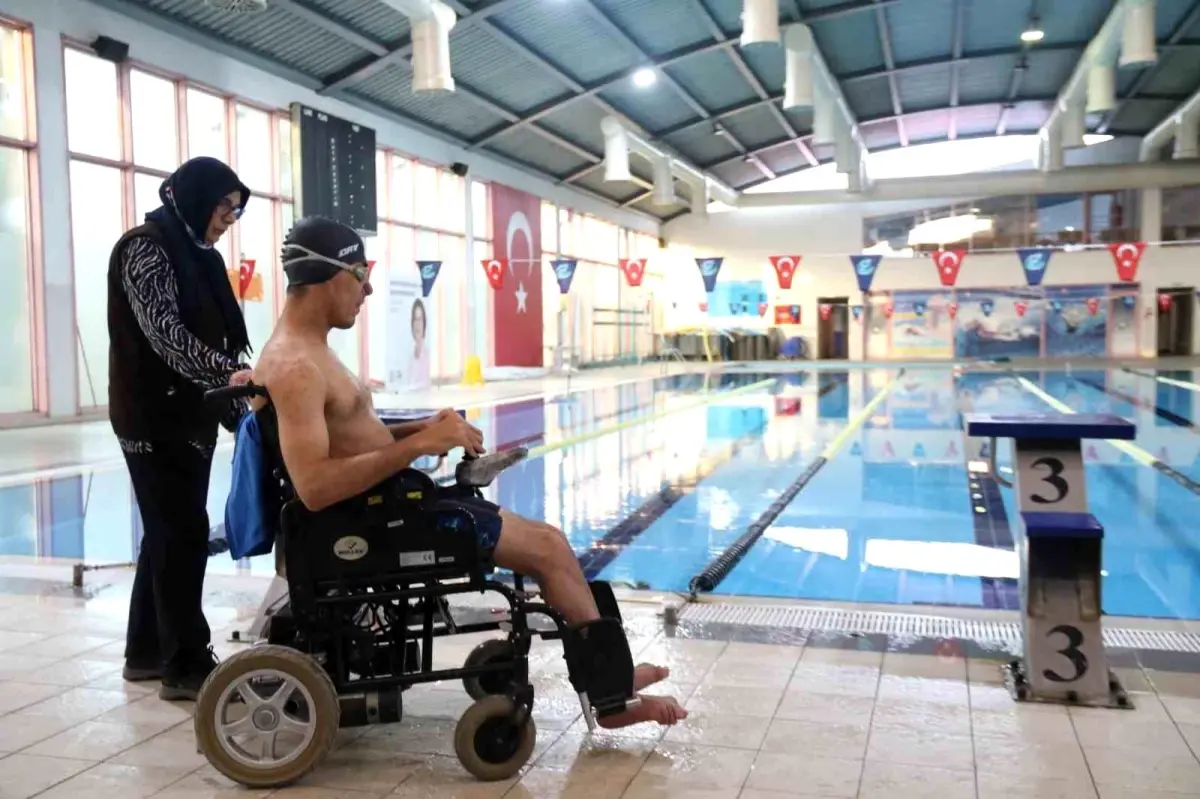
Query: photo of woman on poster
418	370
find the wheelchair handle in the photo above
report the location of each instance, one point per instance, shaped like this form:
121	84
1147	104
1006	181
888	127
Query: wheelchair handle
227	393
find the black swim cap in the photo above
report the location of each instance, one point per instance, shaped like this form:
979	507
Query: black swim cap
317	248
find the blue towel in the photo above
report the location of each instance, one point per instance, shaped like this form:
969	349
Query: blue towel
252	510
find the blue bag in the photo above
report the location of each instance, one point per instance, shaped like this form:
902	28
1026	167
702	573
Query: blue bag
252	509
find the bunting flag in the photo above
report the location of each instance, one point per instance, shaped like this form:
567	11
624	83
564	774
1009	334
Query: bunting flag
952	309
1056	306
245	276
634	270
1021	307
564	273
825	309
762	309
856	311
429	272
1164	301
785	268
987	306
948	263
704	307
864	269
1034	260
919	309
494	268
1127	256
709	268
1093	305
887	310
1129	301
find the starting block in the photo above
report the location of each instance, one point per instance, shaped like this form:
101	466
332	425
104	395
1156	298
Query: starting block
1059	547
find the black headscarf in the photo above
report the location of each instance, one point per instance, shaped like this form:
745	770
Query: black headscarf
189	198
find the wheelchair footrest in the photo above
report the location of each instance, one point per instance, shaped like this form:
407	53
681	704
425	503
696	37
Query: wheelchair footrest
600	664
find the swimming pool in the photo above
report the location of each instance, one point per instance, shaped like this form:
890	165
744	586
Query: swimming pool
893	517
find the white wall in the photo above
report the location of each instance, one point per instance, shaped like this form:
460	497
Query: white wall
826	235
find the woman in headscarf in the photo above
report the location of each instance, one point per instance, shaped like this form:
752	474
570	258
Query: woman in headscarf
175	331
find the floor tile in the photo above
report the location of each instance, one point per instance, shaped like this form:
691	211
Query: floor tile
801	772
93	740
834	740
925	689
913	747
370	770
992	785
721	700
705	766
1151	770
1033	723
19	731
840	680
930	666
23	775
112	781
554	784
921	715
77	704
1027	758
825	708
586	754
208	783
177	746
74	672
15	695
649	786
706	729
445	778
64	646
846	657
893	781
1122	792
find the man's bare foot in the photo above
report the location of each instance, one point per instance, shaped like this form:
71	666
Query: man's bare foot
646	674
663	709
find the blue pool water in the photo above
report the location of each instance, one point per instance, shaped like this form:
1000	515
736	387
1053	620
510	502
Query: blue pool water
894	516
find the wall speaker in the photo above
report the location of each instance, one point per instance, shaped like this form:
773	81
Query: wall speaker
110	49
460	169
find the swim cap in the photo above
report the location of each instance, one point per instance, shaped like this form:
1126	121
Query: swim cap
317	248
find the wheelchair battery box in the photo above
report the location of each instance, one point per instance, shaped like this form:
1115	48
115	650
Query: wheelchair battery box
387	531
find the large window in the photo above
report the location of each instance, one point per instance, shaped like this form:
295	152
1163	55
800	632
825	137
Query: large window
128	128
1181	214
17	300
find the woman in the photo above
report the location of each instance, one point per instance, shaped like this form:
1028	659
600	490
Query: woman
175	331
418	371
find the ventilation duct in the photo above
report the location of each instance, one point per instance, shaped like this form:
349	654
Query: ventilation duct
1181	126
760	22
1074	125
1127	35
798	66
431	22
619	143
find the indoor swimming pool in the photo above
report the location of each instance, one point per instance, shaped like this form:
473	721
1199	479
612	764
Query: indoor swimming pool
652	479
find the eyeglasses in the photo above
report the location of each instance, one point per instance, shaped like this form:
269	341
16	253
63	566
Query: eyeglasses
225	208
361	272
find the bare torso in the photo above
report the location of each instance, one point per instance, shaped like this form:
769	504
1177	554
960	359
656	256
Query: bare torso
354	428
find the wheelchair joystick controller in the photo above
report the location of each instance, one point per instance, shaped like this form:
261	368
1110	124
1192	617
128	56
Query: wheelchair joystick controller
476	472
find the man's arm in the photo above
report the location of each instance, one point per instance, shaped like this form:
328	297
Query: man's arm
402	430
298	393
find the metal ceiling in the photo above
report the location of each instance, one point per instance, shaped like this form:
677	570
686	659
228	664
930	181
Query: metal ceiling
535	77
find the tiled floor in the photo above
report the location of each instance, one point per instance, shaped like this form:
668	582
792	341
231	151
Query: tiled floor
767	721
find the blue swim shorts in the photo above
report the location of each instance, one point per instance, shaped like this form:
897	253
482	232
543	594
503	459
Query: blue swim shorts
452	515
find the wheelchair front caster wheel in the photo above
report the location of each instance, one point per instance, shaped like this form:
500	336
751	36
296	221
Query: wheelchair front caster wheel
496	650
489	743
267	716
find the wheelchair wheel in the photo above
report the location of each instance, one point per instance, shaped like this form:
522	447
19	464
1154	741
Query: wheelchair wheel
267	716
493	651
489	744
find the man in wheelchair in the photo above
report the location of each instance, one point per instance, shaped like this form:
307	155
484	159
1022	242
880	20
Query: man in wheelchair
335	447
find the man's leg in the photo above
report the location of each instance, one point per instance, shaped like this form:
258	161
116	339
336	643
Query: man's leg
542	552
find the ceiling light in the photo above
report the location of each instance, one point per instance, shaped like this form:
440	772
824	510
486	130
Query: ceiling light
1034	32
644	77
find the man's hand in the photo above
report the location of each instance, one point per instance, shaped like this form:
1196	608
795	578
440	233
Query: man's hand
446	431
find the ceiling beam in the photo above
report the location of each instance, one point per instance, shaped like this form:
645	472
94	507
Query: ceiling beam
318	18
956	48
889	61
1189	21
1015	79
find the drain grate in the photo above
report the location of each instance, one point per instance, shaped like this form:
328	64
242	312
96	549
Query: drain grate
914	625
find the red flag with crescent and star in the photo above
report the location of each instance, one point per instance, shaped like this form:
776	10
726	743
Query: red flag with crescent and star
785	268
495	268
1127	256
634	269
948	263
245	275
517	317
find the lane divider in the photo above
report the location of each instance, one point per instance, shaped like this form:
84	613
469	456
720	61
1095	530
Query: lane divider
716	571
1132	450
1170	381
1116	393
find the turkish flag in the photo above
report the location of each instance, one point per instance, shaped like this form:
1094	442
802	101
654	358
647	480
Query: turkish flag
1093	305
245	275
952	309
1127	256
495	268
785	268
517	318
1021	307
948	263
634	269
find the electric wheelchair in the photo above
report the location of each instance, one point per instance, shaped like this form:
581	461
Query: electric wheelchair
368	582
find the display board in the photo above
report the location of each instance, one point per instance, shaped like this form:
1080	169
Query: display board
333	169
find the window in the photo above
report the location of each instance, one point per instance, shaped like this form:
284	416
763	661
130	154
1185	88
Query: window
206	125
145	195
284	137
401	189
14	95
96	224
550	228
256	236
425	196
155	121
93	112
1181	213
254	149
452	202
481	212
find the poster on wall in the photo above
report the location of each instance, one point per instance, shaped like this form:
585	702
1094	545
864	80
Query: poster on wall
1075	326
517	318
988	324
921	327
408	352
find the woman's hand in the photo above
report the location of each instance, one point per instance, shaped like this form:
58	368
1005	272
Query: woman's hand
241	378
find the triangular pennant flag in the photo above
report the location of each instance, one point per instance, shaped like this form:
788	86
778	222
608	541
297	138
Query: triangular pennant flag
987	306
762	309
857	311
1034	260
1021	306
634	270
709	268
919	450
985	450
704	307
494	269
1129	301
948	263
887	310
564	273
1127	256
1056	306
864	269
919	309
855	448
952	450
429	272
952	309
1164	301
1091	452
825	309
888	452
785	269
1093	305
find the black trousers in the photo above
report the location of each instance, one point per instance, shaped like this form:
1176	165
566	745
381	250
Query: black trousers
166	620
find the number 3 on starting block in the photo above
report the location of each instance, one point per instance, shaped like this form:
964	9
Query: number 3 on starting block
1050	477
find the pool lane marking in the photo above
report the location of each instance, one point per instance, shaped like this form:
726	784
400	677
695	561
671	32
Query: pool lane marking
1132	450
718	569
1116	393
605	549
1170	381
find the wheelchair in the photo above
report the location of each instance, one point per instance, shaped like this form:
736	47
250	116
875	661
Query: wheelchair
368	582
